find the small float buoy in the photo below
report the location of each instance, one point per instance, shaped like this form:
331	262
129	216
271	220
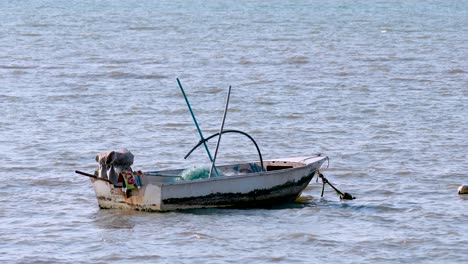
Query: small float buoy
463	189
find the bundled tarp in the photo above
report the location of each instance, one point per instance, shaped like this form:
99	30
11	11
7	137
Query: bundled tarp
115	163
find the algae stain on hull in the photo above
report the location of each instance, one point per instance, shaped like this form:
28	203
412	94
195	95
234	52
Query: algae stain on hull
284	193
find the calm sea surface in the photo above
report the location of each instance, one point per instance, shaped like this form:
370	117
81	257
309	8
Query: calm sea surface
381	87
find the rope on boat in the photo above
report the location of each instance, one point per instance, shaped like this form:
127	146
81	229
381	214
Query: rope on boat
328	165
343	196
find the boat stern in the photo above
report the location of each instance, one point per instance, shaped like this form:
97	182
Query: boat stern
146	198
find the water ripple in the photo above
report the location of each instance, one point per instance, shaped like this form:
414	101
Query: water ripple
379	87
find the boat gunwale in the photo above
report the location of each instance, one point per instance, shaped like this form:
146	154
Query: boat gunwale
300	160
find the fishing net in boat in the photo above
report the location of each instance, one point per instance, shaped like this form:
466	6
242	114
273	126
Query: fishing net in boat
195	173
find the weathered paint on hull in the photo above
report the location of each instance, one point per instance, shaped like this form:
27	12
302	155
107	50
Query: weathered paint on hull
254	190
110	197
256	198
287	192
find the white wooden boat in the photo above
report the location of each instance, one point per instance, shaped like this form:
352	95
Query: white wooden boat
243	185
254	184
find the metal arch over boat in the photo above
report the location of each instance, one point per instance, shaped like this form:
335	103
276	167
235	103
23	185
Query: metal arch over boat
228	131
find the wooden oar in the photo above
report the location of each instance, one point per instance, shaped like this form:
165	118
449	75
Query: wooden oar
92	176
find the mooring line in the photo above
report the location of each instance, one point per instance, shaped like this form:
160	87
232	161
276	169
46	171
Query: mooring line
343	196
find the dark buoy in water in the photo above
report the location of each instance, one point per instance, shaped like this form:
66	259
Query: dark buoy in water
463	189
346	196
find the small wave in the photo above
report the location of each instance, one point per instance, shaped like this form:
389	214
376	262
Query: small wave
120	75
456	71
30	35
342	73
306	236
292	116
80	87
40	260
11	98
120	61
259	82
403	79
258	101
214	90
196	235
19	72
235	109
173	111
375	59
39	25
51	182
404	173
126	75
244	61
380	69
66	97
406	59
369	111
239	123
172	124
298	60
54	67
116	258
285	39
143	28
17	67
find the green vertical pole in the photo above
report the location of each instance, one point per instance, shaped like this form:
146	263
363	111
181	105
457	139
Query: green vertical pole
196	124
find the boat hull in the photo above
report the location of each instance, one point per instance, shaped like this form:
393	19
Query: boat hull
253	189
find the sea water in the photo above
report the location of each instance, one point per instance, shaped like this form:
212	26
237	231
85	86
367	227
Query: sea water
381	87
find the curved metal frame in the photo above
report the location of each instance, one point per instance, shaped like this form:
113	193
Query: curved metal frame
228	131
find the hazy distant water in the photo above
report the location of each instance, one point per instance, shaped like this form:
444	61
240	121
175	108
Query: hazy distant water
379	86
